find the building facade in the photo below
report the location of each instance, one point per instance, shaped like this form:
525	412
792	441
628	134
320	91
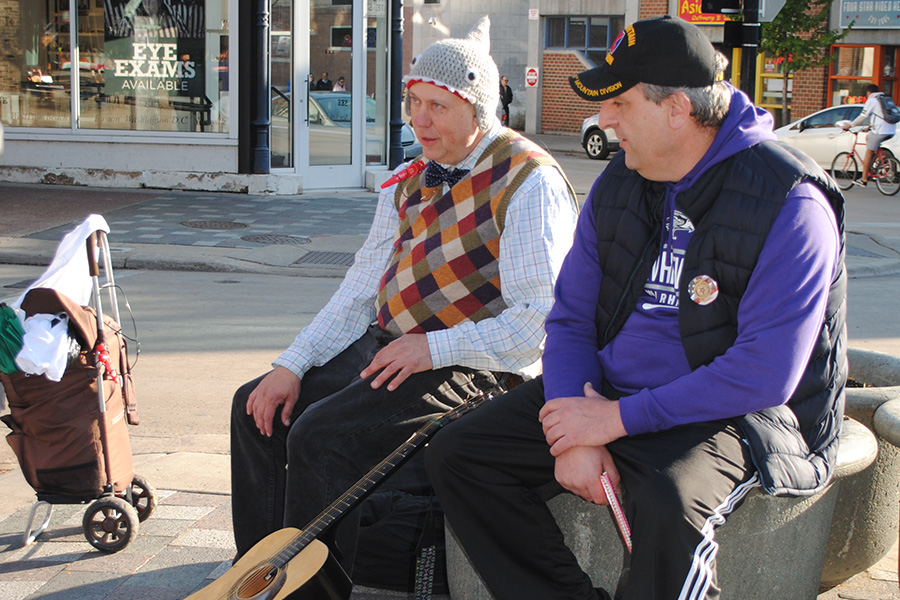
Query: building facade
168	94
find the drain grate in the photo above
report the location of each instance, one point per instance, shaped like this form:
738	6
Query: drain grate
216	225
344	259
272	239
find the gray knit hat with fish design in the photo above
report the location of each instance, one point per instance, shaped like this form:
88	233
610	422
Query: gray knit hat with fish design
464	67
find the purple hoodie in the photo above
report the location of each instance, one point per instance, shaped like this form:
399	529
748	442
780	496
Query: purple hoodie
778	318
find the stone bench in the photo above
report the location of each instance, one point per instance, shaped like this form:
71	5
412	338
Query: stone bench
864	527
887	426
769	548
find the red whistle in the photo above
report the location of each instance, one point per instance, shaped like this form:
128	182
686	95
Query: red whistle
414	168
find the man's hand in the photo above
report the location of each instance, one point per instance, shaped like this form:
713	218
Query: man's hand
281	386
401	358
591	420
579	470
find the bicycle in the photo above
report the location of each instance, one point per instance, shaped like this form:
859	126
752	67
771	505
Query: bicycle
885	168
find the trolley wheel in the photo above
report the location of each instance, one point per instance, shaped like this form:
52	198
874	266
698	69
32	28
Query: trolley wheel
844	170
110	524
143	497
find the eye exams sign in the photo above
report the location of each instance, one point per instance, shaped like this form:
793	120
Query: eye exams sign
154	66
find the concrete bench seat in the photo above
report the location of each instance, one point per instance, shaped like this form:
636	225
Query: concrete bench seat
887	426
771	548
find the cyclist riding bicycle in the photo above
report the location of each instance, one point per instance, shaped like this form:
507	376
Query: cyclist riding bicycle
880	130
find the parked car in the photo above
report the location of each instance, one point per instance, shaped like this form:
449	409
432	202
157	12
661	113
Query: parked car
329	120
597	143
818	135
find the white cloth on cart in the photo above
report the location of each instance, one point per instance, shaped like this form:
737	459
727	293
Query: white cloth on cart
45	346
68	272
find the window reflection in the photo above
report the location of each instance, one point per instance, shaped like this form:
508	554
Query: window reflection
145	65
35	86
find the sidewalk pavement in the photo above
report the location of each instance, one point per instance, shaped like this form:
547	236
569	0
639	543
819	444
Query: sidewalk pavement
187	542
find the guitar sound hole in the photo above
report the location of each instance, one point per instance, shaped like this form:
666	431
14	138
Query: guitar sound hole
257	582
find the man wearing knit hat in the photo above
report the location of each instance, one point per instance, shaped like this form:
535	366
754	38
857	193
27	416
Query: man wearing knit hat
446	298
695	351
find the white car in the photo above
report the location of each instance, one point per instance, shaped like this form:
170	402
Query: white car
819	136
597	143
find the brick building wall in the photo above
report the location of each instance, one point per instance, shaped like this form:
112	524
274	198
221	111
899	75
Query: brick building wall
809	92
652	8
810	87
562	111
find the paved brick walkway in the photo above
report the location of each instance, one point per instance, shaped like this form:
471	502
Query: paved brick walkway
184	543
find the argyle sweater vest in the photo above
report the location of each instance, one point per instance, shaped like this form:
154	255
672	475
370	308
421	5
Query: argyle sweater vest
445	267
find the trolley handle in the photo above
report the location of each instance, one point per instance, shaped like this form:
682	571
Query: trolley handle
93	267
102	355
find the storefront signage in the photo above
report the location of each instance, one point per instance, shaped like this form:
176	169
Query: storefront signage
690	11
871	14
154	66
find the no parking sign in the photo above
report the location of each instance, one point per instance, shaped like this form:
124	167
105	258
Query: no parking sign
531	76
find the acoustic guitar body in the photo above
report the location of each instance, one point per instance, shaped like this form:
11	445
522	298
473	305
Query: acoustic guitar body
313	574
309	570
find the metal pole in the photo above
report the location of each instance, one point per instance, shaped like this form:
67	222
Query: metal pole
395	77
749	48
260	123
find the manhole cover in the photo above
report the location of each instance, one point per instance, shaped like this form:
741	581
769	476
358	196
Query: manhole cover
217	225
326	258
275	239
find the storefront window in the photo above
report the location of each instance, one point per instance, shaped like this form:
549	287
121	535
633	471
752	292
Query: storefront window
852	69
853	61
142	65
35	65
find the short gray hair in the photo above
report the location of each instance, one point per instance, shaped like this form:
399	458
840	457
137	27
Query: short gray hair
709	105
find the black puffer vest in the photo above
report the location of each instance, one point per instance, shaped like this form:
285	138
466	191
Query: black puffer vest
732	207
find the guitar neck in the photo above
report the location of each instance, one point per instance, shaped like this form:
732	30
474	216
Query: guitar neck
368	482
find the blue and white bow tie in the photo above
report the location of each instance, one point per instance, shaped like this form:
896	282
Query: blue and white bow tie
435	174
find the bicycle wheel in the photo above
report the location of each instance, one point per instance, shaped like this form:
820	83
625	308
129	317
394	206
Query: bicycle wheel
844	170
888	181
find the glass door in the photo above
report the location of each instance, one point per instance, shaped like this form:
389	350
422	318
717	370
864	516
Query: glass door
281	132
318	95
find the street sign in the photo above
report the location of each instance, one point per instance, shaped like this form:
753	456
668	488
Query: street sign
531	76
768	9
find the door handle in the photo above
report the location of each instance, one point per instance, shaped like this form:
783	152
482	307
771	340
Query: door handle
309	80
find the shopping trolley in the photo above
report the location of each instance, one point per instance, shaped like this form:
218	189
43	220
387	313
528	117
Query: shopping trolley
70	436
